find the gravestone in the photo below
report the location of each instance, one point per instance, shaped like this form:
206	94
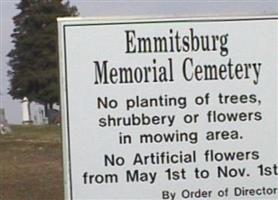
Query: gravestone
26	114
4	126
39	117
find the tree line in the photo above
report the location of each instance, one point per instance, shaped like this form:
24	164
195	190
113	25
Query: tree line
34	62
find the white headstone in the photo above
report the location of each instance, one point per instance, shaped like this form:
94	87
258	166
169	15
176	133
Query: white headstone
26	114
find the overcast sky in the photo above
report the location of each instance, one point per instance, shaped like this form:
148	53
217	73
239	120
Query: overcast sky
175	8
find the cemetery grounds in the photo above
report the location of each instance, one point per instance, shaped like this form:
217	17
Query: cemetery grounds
31	163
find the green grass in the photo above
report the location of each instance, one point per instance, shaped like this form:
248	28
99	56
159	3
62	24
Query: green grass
31	164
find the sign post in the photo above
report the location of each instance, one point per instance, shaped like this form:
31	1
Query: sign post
170	108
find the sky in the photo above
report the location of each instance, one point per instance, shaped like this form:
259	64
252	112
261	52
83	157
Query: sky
122	8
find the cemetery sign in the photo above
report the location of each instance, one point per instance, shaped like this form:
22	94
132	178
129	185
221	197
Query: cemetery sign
170	108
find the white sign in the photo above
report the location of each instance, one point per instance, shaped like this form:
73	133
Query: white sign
170	108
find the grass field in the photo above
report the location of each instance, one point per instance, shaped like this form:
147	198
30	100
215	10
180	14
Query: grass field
31	164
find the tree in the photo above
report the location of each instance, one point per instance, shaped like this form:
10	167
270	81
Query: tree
34	60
